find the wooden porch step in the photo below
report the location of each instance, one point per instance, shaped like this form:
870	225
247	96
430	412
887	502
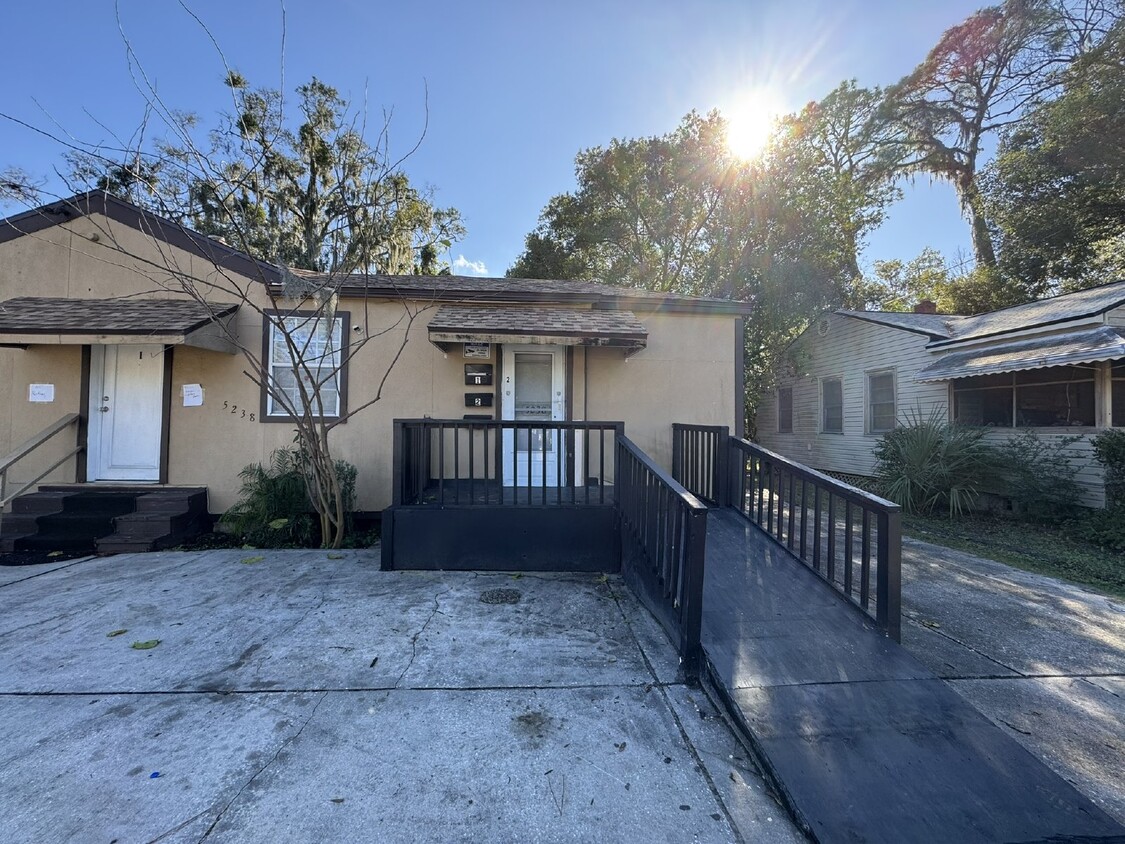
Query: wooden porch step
104	519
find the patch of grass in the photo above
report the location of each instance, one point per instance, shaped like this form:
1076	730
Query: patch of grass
1040	548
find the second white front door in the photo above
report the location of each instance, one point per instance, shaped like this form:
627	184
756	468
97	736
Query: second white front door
126	413
534	390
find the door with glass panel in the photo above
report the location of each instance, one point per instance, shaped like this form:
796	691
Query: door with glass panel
533	390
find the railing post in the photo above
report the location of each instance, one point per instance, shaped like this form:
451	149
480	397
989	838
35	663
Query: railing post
722	468
888	613
678	453
397	457
691	613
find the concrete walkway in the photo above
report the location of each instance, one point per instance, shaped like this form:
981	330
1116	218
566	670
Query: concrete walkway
1043	659
307	696
864	740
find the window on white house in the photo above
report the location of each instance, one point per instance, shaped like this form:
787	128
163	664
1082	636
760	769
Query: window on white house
1118	402
312	356
785	410
1051	397
832	405
880	402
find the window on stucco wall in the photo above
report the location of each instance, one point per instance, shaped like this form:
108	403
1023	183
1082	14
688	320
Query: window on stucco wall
319	348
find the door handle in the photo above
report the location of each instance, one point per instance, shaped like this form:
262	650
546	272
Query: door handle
103	409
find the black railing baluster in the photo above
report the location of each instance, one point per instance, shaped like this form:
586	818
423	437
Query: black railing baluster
770	486
865	562
441	463
792	511
663	531
818	515
830	563
804	516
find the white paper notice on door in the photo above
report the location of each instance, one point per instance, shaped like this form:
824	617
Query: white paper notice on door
41	392
193	395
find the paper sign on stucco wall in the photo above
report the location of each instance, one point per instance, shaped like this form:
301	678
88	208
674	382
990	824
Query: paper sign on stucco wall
41	392
193	395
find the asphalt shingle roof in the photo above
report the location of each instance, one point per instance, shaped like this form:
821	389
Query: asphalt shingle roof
475	289
542	321
1061	308
34	315
936	325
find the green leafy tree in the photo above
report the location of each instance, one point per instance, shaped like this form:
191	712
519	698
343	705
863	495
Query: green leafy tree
835	162
1056	190
980	77
646	212
311	196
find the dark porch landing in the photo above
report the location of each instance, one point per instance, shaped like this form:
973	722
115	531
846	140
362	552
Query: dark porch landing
863	741
492	492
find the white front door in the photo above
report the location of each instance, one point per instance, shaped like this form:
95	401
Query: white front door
126	411
534	390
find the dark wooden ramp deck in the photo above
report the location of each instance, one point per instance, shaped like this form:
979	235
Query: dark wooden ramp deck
863	741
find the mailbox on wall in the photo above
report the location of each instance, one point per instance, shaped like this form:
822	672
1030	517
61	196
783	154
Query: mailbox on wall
478	399
478	374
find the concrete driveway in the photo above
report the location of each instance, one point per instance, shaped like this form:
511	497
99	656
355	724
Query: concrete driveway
1042	659
306	696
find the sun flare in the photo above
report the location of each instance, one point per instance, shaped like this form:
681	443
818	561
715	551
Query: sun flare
750	121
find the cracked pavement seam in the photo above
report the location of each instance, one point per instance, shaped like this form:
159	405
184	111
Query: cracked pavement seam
258	772
414	639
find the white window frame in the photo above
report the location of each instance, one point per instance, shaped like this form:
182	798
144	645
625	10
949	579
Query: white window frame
869	400
332	351
789	390
821	427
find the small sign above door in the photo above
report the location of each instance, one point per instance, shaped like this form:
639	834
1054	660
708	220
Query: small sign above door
478	351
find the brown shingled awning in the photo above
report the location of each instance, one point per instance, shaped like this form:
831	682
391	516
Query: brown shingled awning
454	324
30	321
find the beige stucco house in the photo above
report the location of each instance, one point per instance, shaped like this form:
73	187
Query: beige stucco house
95	321
1056	366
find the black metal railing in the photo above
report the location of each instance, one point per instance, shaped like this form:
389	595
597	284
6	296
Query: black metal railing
851	538
699	459
491	463
663	538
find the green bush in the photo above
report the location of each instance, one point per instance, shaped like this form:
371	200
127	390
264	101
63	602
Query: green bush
1100	527
1109	448
929	465
274	510
1038	476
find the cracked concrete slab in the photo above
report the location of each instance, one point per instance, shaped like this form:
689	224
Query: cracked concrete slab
302	695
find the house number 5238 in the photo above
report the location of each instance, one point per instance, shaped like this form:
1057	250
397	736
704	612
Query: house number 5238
239	412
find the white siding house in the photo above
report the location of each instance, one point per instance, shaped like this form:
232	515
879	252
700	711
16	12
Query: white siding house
1056	366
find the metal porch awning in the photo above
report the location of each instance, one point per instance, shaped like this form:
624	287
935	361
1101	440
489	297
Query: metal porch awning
36	321
1089	346
455	324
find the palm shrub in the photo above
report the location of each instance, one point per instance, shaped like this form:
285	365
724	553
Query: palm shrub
274	509
273	506
929	465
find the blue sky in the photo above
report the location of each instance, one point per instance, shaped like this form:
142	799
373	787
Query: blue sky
515	88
